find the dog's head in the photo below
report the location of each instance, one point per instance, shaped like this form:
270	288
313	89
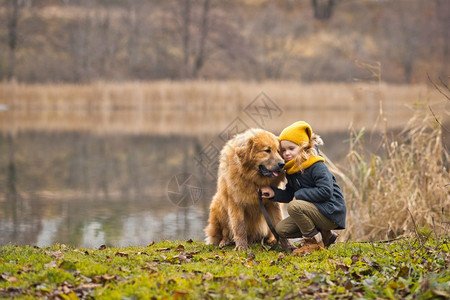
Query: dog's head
260	154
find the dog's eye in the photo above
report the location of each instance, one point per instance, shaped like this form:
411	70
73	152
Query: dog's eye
268	150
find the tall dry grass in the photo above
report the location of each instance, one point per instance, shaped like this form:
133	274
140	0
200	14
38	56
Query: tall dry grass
406	186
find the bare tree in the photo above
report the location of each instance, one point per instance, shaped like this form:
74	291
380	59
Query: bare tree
200	57
186	35
323	9
13	14
443	19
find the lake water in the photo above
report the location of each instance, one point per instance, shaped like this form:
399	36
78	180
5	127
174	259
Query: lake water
120	178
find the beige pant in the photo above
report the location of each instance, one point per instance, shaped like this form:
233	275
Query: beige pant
303	218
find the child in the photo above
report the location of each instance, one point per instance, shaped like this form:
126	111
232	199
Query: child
316	204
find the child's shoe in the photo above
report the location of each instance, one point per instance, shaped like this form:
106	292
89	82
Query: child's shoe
329	238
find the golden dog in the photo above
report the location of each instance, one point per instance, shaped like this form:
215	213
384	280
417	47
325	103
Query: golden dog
248	161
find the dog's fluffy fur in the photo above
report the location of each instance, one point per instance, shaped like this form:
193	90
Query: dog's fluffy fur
247	162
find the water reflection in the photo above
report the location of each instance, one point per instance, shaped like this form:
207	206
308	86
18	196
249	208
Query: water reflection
84	189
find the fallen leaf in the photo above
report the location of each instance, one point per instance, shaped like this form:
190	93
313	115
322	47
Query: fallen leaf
87	286
280	256
151	243
121	254
102	247
11	279
57	254
179	248
151	267
103	278
26	269
342	267
207	276
179	295
355	258
10	291
163	249
190	241
183	258
275	278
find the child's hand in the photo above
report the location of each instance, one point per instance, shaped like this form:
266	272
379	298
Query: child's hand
267	192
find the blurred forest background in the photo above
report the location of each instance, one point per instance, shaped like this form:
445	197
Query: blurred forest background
397	41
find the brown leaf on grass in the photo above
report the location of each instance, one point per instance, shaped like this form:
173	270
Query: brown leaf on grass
11	279
190	241
179	248
65	288
371	263
280	256
180	295
355	258
273	278
56	254
104	278
102	247
11	291
151	243
25	269
121	254
313	288
142	253
152	267
183	258
163	249
87	286
207	276
342	267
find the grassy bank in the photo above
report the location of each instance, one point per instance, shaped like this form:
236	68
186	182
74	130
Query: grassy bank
407	268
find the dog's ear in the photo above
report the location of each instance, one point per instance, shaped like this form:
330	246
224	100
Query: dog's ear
244	152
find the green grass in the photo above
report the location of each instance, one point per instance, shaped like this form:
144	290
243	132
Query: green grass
408	268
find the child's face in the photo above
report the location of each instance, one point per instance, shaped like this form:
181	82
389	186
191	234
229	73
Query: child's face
289	150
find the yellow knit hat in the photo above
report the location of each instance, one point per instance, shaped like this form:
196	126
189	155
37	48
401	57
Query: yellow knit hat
298	133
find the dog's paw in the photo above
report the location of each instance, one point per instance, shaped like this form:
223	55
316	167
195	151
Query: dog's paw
224	243
241	246
271	240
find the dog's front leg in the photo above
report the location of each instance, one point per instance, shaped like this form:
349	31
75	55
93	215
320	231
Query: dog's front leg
236	216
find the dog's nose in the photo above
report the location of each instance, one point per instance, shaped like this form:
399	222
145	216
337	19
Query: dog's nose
281	165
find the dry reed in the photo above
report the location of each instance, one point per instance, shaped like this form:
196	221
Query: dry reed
407	183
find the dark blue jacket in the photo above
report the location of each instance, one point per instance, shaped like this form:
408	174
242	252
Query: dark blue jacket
317	185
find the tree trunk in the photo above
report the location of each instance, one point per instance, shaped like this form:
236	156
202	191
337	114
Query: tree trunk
13	20
322	10
186	36
200	59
